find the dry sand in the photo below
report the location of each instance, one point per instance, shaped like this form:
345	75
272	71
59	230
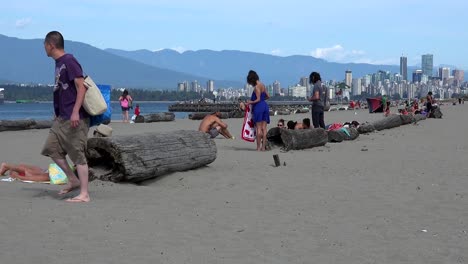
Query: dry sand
395	196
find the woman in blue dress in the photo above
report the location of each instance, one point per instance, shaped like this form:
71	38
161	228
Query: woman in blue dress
260	109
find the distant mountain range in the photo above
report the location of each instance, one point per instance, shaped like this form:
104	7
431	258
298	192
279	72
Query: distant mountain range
25	61
234	65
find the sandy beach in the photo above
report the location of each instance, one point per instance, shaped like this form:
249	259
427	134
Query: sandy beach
394	196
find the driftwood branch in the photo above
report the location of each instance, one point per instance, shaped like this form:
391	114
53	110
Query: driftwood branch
14	125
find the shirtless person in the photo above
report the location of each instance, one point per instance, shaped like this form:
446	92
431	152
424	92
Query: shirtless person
212	125
25	172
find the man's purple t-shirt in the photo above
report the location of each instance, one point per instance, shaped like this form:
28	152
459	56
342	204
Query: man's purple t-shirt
67	69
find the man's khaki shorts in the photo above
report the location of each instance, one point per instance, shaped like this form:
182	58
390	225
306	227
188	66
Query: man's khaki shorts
64	139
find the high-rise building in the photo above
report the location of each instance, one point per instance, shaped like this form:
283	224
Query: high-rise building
417	76
181	87
427	64
276	88
444	73
194	87
349	78
458	75
404	68
210	86
356	88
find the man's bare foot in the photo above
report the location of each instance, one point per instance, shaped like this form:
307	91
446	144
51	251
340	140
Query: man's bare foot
69	187
79	199
3	169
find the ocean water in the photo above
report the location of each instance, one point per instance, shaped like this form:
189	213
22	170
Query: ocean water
44	110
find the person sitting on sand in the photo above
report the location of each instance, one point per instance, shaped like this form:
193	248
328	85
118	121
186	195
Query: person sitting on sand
280	123
296	125
25	172
306	123
387	109
212	125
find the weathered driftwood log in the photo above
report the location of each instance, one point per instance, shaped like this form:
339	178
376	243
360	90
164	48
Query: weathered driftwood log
436	113
418	117
274	137
340	135
302	111
201	115
406	119
303	138
283	112
365	128
236	114
13	125
135	158
159	117
139	119
388	122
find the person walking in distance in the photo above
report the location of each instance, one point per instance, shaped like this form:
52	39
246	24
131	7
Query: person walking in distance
69	132
317	99
125	103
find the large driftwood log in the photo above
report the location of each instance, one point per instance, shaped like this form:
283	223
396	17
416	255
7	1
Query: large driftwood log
14	125
406	119
201	115
274	137
418	117
388	122
339	135
159	117
365	128
303	138
135	158
436	113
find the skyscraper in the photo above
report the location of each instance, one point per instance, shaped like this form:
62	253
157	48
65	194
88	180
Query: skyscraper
417	76
349	78
444	73
210	86
404	68
458	75
427	64
356	89
276	88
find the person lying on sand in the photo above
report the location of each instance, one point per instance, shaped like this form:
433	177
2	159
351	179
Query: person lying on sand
212	125
25	172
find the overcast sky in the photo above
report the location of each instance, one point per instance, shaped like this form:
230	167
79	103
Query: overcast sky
377	32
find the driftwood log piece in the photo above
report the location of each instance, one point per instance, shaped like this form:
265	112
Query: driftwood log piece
14	125
418	117
201	115
406	119
139	119
274	137
436	113
365	128
388	122
339	135
159	117
135	158
303	138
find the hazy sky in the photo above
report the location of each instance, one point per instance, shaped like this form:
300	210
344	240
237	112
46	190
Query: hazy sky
343	31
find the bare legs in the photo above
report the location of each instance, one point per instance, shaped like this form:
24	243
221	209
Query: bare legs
125	117
261	128
24	172
73	182
224	132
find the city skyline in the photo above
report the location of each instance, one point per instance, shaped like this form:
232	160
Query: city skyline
330	33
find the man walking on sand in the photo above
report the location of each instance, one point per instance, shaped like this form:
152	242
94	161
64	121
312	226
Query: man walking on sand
69	132
212	125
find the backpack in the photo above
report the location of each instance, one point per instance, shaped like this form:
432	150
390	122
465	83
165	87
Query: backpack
124	102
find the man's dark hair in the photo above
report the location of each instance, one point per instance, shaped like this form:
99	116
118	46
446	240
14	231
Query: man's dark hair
56	39
252	78
314	77
291	124
429	93
306	122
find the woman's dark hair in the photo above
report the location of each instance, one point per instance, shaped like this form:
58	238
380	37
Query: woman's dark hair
125	93
429	93
252	78
291	124
306	122
314	77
